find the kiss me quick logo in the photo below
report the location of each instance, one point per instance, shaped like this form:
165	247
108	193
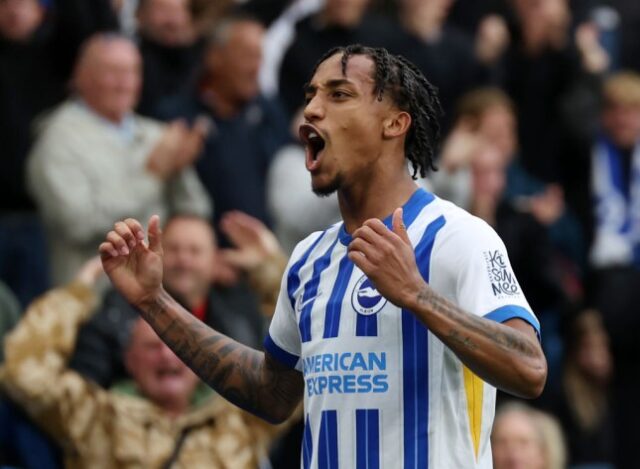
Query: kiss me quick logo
365	299
503	282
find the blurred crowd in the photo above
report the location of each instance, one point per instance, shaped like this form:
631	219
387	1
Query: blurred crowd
189	109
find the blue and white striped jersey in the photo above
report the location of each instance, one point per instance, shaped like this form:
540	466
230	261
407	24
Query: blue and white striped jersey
380	389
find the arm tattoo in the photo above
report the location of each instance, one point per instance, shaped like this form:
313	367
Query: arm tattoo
249	378
505	337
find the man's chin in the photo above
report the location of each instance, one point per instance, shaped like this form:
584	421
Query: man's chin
325	190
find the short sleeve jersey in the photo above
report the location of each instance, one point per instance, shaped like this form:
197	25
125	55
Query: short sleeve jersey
380	389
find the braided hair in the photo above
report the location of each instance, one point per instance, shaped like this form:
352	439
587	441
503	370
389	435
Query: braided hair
411	92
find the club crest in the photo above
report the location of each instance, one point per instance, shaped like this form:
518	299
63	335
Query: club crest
365	299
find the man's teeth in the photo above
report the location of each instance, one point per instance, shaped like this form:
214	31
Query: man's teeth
313	135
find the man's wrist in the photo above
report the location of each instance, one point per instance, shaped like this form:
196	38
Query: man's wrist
151	301
418	297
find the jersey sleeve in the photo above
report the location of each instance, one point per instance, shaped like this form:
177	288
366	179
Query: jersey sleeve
283	340
479	273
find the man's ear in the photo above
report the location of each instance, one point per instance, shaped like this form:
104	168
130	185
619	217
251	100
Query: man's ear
396	125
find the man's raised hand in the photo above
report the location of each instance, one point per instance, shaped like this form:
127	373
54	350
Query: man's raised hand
387	258
134	267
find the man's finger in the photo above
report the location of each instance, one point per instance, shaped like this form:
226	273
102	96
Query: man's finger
135	227
360	260
118	242
125	232
377	226
368	234
107	250
155	234
370	251
399	227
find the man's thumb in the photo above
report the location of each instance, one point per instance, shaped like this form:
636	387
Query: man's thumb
155	234
398	226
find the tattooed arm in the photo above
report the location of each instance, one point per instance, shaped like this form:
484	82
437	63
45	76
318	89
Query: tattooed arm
249	378
507	355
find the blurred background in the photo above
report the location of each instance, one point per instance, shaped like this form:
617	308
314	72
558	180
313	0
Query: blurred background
189	108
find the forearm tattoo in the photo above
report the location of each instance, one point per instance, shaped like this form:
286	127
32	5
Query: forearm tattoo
249	378
467	325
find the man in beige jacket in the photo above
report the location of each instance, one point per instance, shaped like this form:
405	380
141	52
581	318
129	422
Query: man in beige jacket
166	416
95	160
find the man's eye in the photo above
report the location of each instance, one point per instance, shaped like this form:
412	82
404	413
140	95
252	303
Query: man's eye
339	94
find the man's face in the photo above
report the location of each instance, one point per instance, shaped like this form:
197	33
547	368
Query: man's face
345	13
236	63
167	22
20	18
157	371
343	127
621	122
109	76
515	443
498	126
189	258
488	174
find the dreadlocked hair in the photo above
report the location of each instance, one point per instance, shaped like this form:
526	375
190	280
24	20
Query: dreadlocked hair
411	92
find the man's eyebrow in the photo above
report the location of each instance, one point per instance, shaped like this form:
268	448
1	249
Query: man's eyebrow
338	82
331	84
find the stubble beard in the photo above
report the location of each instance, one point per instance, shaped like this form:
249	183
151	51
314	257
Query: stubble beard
328	189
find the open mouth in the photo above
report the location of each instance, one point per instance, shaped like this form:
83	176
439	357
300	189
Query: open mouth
314	144
168	373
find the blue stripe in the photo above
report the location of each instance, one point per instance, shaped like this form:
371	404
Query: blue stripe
279	353
334	307
367	438
307	445
293	278
311	291
507	312
415	356
328	440
367	325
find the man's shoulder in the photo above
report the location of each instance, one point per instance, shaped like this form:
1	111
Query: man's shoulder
458	229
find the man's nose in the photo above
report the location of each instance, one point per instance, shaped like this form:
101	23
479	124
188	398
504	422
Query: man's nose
314	109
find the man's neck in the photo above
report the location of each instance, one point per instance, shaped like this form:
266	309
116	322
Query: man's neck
374	198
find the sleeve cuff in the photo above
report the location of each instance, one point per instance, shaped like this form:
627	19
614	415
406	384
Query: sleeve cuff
505	313
279	353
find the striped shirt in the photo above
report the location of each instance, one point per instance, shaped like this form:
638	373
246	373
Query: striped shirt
380	389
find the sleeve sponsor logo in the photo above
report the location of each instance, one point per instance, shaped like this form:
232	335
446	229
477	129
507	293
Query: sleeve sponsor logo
503	281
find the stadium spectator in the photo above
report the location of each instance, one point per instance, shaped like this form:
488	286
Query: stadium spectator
164	417
246	128
35	42
543	66
451	59
191	262
603	182
170	49
338	23
524	438
93	142
583	405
